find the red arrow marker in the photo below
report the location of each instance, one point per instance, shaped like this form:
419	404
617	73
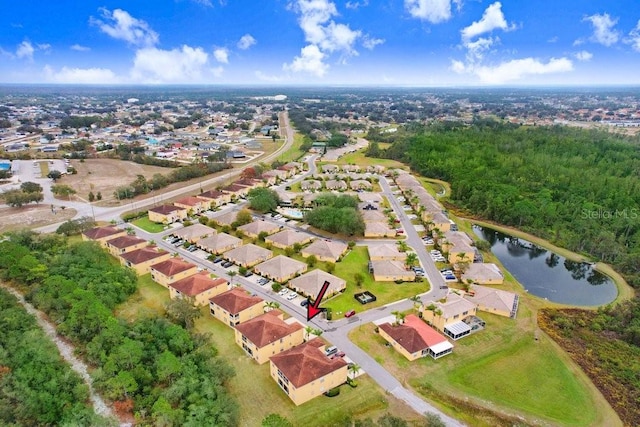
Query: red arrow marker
313	309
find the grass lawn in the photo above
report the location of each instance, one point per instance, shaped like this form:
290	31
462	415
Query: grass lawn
257	394
44	169
360	159
356	261
293	153
502	368
148	226
149	300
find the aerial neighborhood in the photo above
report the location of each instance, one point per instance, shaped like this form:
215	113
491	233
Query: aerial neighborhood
323	270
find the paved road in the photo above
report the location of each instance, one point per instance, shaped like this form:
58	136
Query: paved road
436	280
109	213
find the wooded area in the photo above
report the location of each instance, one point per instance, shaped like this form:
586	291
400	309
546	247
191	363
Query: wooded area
579	189
336	214
156	369
37	387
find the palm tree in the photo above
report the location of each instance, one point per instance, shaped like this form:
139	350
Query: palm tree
353	369
402	246
271	305
317	332
411	260
399	316
416	301
308	330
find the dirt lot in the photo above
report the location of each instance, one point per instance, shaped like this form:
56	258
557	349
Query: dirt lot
105	175
32	217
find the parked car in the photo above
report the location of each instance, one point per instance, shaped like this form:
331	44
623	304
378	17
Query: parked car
338	354
399	231
331	350
283	292
292	295
304	302
227	264
350	313
192	248
247	274
217	259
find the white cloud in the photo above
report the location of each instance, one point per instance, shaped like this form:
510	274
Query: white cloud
553	39
25	50
516	69
356	4
221	54
492	19
370	43
80	48
634	38
44	46
81	75
433	11
310	61
319	29
183	65
324	36
583	55
458	67
603	31
246	42
122	26
476	49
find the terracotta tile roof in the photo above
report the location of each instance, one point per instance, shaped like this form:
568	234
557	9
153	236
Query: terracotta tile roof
306	363
233	188
143	255
267	328
165	209
197	284
426	332
236	300
125	241
211	194
406	336
189	201
172	266
102	232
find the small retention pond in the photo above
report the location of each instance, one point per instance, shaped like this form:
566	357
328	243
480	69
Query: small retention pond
547	274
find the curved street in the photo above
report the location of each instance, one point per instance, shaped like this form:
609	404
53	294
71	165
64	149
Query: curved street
335	331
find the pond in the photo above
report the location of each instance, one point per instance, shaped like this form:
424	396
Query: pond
548	275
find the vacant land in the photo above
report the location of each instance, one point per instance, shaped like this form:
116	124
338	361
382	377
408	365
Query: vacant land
148	226
32	216
105	175
252	385
358	158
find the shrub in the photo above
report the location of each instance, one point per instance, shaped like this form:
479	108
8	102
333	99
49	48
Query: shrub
333	392
276	287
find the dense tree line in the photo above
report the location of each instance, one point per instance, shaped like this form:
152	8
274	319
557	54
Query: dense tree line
166	375
37	388
577	188
142	185
336	214
28	192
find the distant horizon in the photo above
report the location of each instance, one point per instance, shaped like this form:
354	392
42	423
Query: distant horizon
396	43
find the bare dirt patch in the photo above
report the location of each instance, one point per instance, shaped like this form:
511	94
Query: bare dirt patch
105	175
32	217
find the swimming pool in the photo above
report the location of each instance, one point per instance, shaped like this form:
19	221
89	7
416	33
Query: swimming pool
293	213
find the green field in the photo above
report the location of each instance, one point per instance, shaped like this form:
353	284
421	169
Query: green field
294	152
360	159
148	226
252	385
356	262
503	368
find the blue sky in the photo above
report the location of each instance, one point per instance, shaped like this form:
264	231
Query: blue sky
321	42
